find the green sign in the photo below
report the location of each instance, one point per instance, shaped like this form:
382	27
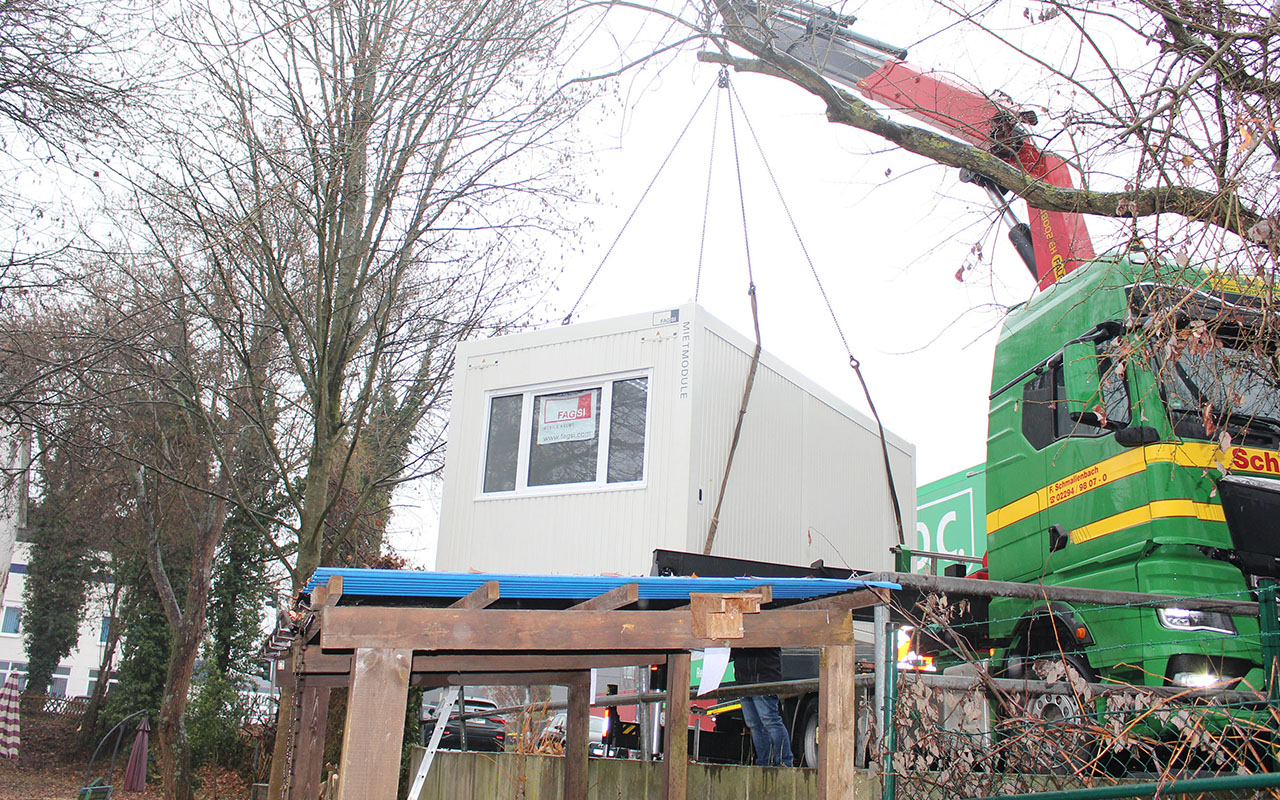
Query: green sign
951	516
695	671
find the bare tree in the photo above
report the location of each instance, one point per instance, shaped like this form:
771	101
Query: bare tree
366	184
151	396
69	77
372	182
54	81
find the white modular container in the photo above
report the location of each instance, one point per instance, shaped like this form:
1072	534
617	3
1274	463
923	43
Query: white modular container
580	449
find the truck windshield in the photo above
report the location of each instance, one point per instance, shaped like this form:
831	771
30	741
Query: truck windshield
1213	383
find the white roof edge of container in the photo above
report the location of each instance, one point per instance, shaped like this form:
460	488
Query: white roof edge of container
561	334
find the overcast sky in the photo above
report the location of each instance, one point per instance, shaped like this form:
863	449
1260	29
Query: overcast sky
887	231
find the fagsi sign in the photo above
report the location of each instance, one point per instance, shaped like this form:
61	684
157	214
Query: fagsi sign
568	418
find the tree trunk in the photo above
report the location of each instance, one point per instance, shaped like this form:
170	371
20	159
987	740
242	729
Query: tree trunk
171	730
90	727
187	627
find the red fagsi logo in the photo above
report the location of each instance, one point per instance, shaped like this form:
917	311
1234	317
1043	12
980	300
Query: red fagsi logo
1244	458
567	410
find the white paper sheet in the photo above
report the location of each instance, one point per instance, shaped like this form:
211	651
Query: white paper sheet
715	660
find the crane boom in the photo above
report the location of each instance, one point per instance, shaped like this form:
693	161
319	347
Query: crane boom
1055	242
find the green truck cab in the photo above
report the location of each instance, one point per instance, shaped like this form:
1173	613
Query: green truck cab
1120	395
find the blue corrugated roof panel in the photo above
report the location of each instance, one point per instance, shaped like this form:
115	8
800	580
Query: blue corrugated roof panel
410	583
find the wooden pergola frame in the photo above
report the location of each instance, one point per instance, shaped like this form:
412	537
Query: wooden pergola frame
378	651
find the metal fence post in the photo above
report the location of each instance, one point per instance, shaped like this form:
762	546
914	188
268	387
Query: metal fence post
890	701
880	623
886	667
1270	629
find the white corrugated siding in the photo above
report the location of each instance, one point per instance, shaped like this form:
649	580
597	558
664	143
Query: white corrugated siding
760	515
850	517
583	532
808	480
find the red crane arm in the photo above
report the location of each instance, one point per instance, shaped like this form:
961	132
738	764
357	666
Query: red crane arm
1060	238
1053	243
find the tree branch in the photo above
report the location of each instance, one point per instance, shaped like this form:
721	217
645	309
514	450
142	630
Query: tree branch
1224	209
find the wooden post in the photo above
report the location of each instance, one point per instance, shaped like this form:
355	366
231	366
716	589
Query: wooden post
577	739
308	743
374	731
675	753
837	722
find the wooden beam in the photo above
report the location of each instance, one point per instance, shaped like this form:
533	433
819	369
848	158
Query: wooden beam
308	743
557	662
852	601
333	592
374	731
502	678
576	741
316	663
837	719
615	598
675	758
764	592
332	680
483	596
608	631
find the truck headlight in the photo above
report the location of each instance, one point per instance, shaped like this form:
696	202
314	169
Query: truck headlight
1196	680
1197	671
1187	619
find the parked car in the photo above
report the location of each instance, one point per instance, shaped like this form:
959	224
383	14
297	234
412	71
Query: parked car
554	731
486	732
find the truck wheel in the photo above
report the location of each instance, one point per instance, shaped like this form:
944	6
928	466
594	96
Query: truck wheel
1055	733
804	741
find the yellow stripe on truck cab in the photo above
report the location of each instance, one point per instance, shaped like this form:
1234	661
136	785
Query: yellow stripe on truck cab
1131	462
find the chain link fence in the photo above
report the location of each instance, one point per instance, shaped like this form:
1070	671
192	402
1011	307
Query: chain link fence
968	731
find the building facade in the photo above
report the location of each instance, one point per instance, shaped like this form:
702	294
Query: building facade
77	674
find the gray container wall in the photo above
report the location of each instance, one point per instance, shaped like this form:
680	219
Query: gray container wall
808	479
807	483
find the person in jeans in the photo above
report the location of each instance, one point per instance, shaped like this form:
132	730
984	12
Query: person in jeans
768	735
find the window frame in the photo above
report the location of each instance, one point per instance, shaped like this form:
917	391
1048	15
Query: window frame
1050	424
604	383
4	612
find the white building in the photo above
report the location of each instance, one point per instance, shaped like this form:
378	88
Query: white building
15	462
77	673
581	449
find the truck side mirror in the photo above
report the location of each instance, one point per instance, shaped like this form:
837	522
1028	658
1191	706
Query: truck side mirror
1080	374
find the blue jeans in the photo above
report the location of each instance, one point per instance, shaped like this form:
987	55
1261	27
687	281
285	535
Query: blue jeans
768	734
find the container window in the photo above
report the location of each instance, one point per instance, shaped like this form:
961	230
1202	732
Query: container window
626	430
565	440
588	437
503	443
